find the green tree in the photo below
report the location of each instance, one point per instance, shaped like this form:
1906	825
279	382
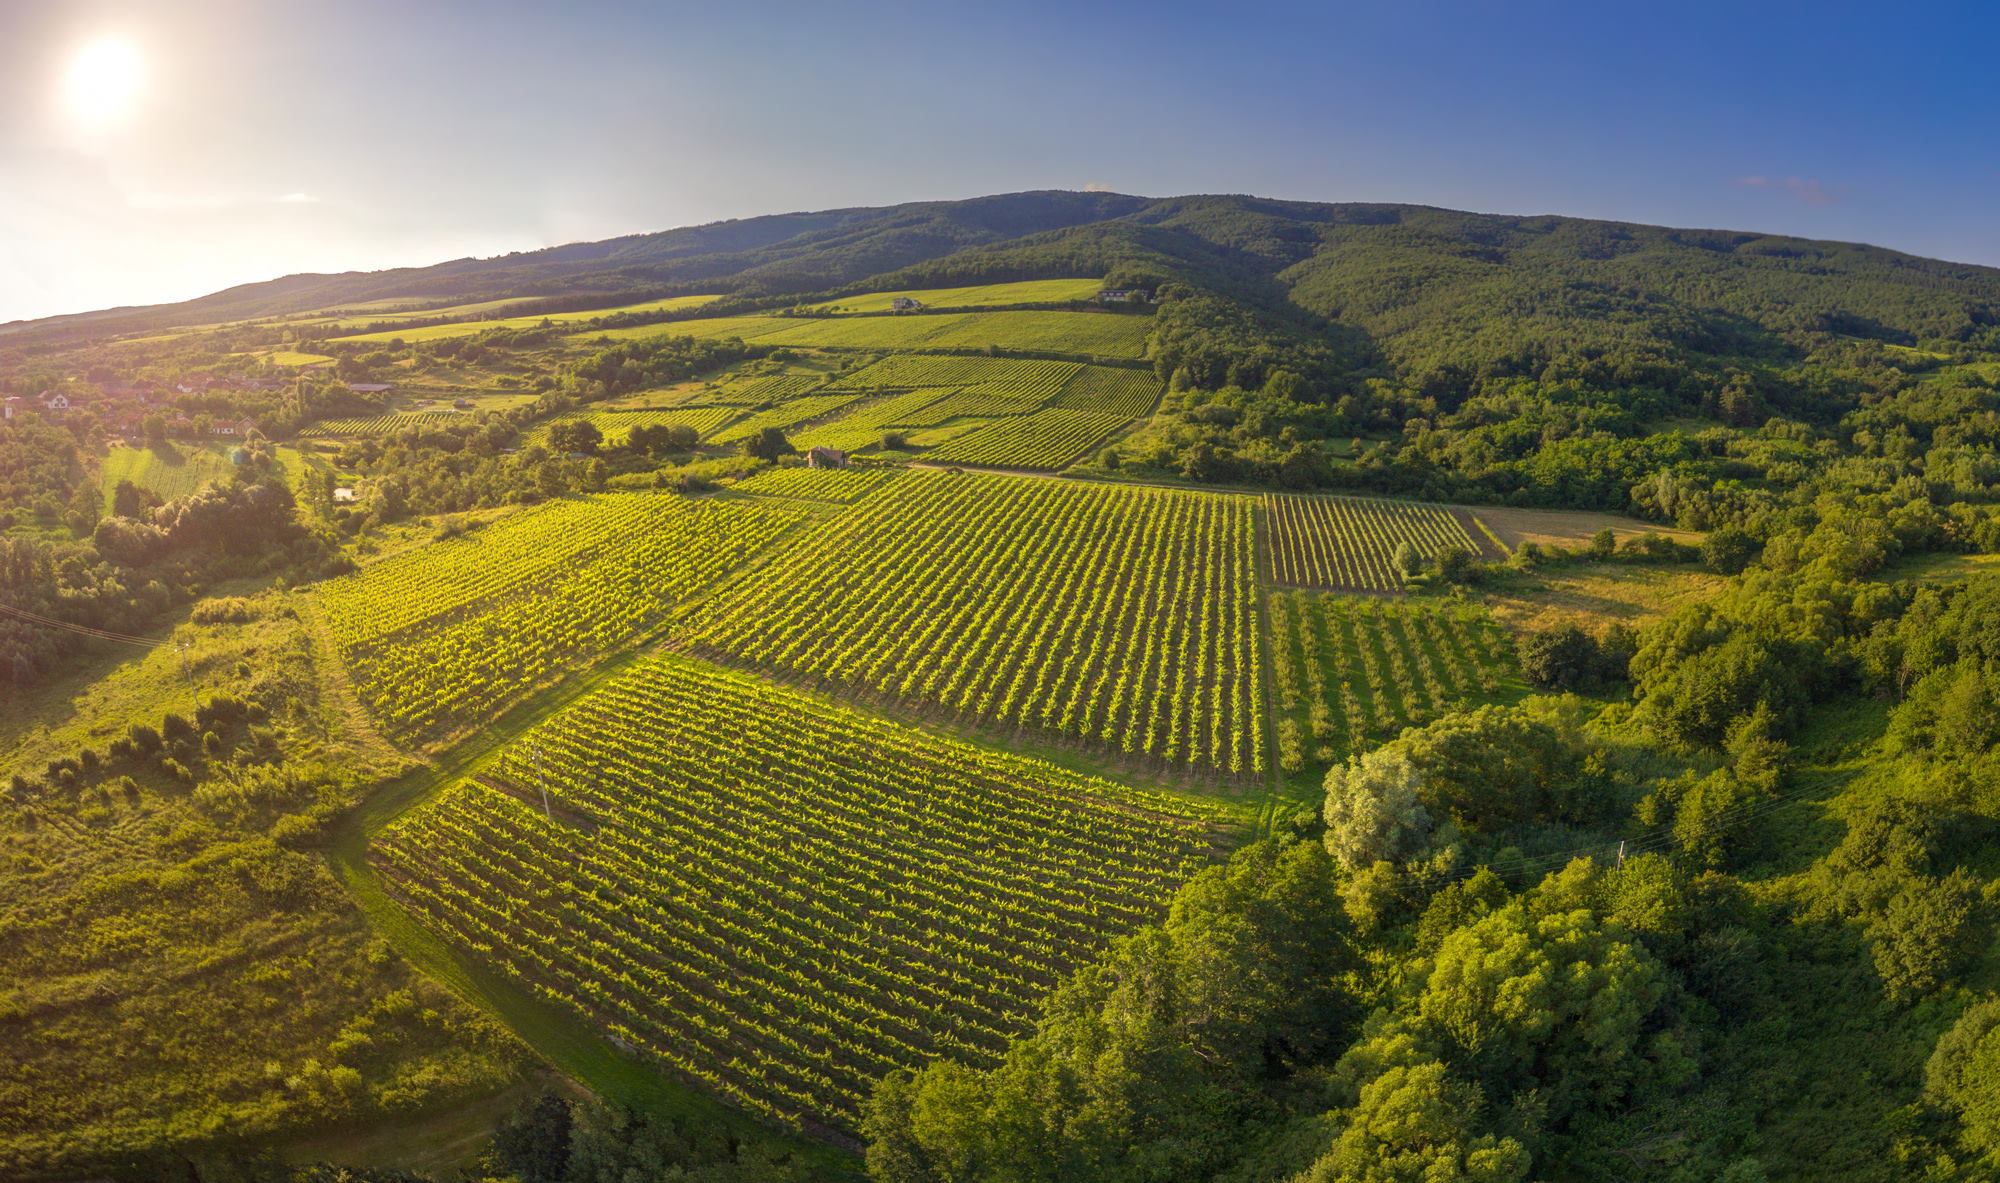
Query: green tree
1924	935
1407	561
1374	812
1963	1074
768	443
1559	657
1729	549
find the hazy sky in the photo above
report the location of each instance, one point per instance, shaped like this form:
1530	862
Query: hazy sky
157	151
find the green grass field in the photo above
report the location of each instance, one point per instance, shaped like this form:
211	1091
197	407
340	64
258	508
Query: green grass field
986	295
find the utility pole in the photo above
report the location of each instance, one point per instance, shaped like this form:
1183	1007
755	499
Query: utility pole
1621	854
187	672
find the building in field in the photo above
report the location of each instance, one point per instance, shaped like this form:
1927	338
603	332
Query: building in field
344	495
1124	296
54	402
905	304
825	457
370	387
12	408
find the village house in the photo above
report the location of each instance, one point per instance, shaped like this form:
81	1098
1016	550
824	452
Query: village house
55	402
13	407
825	457
370	387
344	495
1124	296
905	304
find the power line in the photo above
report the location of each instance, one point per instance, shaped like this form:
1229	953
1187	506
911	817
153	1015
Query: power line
84	630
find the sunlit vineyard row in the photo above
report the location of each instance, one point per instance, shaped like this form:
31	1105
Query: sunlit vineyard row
783	416
779	899
614	425
1111	390
1119	616
758	389
442	637
841	485
1349	543
384	424
1031	379
1048	439
1030	291
1092	334
1348	670
865	424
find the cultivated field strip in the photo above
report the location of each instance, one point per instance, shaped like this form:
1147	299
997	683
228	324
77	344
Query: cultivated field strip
614	424
1031	379
779	899
1088	334
864	425
758	389
1048	439
443	637
784	415
1119	616
843	486
383	424
1110	390
1347	543
1348	670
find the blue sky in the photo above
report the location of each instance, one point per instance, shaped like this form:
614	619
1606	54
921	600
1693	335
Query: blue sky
256	139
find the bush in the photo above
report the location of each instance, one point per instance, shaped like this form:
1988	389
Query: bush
1560	657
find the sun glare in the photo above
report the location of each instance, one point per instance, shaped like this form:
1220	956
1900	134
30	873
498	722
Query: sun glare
103	81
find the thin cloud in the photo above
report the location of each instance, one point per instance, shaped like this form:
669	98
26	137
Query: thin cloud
298	199
1806	190
1096	187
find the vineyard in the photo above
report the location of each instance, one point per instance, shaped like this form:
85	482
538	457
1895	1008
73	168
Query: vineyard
1110	390
442	637
470	327
1349	670
1046	439
1032	380
1348	543
985	295
757	389
615	425
779	899
784	415
1097	334
864	425
1122	617
844	486
384	424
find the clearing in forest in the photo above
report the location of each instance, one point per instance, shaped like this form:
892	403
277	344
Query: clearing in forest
1116	615
780	899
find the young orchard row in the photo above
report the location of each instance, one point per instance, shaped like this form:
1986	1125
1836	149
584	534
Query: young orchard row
1117	615
1349	670
779	899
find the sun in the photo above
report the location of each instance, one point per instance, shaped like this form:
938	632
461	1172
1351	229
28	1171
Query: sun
103	82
